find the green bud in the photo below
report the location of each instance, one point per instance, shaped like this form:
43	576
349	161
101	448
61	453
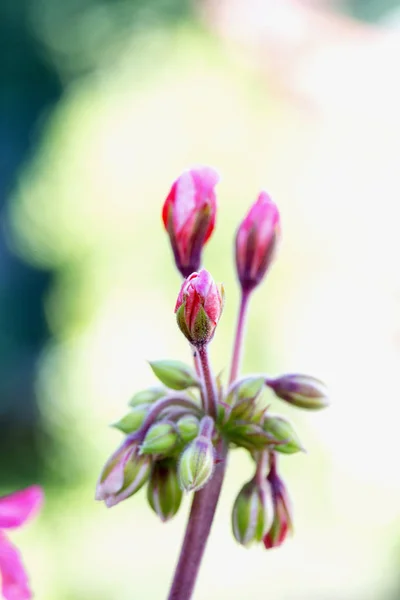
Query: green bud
282	430
300	390
250	436
133	420
160	439
188	428
174	374
243	395
123	474
196	465
253	513
163	491
147	396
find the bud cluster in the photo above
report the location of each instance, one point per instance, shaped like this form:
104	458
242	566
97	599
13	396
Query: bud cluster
174	429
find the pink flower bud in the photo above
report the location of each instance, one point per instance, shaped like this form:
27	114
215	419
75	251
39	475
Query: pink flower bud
282	523
256	241
199	307
189	216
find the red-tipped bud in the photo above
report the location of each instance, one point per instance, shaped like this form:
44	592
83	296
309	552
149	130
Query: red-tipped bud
189	216
256	241
199	307
282	523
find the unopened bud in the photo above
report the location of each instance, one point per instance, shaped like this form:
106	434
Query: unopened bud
147	396
163	491
252	513
243	395
160	439
256	241
282	523
123	474
282	430
196	465
174	374
189	216
250	436
303	391
188	428
133	420
199	307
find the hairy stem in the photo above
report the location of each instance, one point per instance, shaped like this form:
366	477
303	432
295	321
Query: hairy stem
238	344
197	365
209	383
197	531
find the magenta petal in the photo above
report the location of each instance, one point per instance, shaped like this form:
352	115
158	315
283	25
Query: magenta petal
14	580
20	506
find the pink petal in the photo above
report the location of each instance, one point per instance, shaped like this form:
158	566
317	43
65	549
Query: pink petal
20	506
13	577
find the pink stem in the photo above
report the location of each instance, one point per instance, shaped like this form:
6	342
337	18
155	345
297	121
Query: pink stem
197	531
209	382
238	345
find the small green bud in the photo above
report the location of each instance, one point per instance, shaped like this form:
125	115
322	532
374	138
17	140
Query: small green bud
196	465
253	513
250	436
147	396
300	390
174	374
133	420
188	428
283	430
163	491
242	397
123	474
160	439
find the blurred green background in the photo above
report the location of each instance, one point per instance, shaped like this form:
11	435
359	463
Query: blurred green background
103	104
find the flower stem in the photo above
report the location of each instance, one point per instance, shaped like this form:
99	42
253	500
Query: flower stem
238	345
197	531
209	382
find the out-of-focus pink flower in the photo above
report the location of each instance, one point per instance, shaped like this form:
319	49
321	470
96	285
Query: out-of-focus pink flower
189	216
282	523
256	241
199	307
15	510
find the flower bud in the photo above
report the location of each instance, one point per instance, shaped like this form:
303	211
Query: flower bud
282	430
199	307
123	474
147	396
188	428
256	241
174	374
250	436
282	523
160	439
196	465
300	390
252	514
133	420
163	491
189	216
242	397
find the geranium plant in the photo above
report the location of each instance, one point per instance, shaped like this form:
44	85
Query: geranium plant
179	433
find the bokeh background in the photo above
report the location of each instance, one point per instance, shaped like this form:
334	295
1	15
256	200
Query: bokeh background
103	103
